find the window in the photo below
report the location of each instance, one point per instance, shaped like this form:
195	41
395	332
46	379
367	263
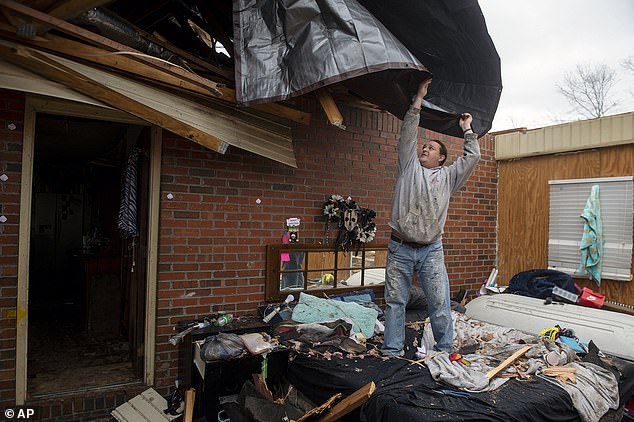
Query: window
567	201
293	268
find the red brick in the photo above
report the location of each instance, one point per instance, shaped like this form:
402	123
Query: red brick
213	234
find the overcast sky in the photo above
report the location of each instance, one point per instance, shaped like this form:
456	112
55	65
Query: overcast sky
540	40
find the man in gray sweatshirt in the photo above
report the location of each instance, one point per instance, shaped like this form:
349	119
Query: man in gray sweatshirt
419	212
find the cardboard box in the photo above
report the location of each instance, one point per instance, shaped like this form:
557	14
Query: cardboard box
591	299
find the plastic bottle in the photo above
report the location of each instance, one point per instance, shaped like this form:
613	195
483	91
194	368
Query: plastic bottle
224	320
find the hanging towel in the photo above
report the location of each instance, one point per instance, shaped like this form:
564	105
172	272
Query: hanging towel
128	209
591	247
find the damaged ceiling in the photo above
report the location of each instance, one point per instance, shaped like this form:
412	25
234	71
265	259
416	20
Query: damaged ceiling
225	73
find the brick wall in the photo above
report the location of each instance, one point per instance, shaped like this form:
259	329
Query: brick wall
470	234
93	406
213	232
11	113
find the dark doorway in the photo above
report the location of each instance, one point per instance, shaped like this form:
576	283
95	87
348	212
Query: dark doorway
86	279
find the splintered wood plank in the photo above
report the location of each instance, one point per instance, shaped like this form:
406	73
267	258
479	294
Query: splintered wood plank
347	405
190	398
55	70
330	108
501	367
320	409
107	43
127	64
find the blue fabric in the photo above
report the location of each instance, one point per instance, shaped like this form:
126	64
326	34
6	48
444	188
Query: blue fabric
362	297
429	264
540	283
314	309
591	247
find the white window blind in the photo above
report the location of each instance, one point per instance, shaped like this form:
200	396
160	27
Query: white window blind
567	201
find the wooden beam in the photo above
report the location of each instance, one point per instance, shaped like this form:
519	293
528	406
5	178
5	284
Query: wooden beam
69	9
118	61
49	68
330	108
218	31
11	18
350	403
187	56
64	10
109	44
319	409
190	398
123	62
501	367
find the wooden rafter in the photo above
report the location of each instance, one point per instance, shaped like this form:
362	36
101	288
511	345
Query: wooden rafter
54	70
122	62
119	61
72	8
62	10
330	108
215	27
109	44
225	73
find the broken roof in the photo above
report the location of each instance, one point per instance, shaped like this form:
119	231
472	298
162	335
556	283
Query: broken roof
346	52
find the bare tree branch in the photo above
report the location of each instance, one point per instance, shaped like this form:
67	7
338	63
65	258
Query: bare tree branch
628	64
588	88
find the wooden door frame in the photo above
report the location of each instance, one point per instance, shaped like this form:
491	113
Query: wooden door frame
38	104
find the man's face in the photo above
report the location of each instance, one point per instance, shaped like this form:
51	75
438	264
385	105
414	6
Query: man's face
430	155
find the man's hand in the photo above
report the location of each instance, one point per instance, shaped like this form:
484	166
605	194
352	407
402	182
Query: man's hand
423	87
465	122
417	101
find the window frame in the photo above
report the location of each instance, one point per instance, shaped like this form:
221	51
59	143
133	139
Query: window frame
274	272
559	239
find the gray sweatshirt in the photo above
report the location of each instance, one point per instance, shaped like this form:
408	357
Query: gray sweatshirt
421	196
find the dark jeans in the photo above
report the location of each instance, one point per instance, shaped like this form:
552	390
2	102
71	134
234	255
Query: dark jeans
296	279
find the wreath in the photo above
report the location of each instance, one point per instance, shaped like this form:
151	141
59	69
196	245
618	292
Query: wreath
354	223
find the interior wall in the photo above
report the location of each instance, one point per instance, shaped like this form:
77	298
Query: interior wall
523	208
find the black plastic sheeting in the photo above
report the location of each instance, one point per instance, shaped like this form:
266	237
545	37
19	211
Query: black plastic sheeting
381	50
406	392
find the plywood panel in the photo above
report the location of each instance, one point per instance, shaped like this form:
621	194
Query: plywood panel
523	204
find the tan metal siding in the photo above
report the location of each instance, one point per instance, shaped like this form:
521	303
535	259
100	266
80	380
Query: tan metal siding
574	136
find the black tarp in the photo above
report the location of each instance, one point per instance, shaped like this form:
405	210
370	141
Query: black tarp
405	392
380	50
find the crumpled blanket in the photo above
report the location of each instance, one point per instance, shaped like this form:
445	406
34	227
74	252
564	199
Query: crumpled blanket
595	392
329	333
461	376
494	344
539	283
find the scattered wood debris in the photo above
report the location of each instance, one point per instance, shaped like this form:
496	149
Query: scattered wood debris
561	373
495	371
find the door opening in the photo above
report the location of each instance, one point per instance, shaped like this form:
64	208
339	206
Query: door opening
87	282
